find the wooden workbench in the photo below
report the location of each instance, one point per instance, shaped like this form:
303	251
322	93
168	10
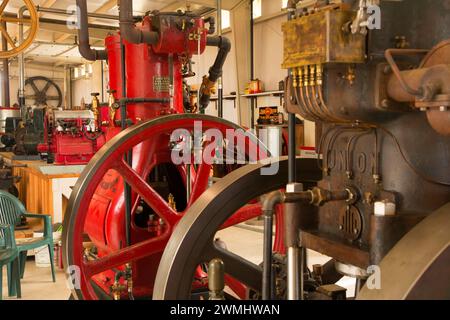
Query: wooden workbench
44	188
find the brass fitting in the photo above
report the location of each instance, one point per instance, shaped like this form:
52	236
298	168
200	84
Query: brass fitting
319	72
306	79
320	197
129	278
208	87
300	77
216	280
171	202
295	77
312	76
117	290
95	107
113	106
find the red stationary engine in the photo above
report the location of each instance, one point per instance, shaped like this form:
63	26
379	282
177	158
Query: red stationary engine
132	195
72	137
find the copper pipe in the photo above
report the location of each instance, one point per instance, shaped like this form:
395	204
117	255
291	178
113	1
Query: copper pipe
306	96
325	116
312	94
308	115
298	102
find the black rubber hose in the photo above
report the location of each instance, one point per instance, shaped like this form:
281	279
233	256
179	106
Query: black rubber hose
83	36
215	72
224	45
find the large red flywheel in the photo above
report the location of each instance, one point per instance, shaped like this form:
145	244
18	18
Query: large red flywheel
95	239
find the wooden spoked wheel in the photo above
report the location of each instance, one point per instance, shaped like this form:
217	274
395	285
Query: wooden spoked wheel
32	22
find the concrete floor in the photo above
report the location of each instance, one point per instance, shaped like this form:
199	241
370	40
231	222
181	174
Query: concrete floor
37	283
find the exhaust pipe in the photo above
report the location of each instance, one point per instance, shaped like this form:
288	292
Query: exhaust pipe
215	72
83	36
128	29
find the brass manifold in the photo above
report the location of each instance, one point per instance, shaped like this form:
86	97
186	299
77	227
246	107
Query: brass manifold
307	83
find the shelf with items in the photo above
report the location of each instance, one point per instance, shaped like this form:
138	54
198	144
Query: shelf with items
255	96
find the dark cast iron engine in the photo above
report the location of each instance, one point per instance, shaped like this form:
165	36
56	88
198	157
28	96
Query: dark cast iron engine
380	94
381	97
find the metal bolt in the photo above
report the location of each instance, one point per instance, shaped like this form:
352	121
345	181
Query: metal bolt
355	231
443	109
341	227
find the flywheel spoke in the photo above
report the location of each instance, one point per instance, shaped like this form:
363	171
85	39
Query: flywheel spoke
7	36
16	20
237	267
35	88
150	196
47	86
132	253
3	6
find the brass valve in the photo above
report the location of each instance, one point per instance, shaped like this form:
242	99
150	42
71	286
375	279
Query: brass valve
113	106
117	290
96	107
171	202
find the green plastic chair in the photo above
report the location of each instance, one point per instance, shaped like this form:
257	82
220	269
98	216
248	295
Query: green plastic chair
11	211
9	257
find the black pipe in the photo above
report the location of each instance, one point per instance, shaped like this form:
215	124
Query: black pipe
143	100
212	24
128	29
83	36
292	119
268	208
128	157
215	72
224	45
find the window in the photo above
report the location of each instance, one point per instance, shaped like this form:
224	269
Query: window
257	9
226	20
284	4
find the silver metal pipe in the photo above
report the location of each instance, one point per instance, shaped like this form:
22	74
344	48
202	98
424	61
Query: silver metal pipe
73	12
21	62
293	270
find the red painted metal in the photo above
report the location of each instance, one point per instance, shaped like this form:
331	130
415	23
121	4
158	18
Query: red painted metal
101	213
74	145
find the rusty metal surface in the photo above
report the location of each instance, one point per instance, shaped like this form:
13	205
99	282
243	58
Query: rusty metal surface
418	266
335	247
374	139
319	38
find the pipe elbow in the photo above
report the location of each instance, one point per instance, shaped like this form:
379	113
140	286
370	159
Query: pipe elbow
270	201
128	29
84	46
225	45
